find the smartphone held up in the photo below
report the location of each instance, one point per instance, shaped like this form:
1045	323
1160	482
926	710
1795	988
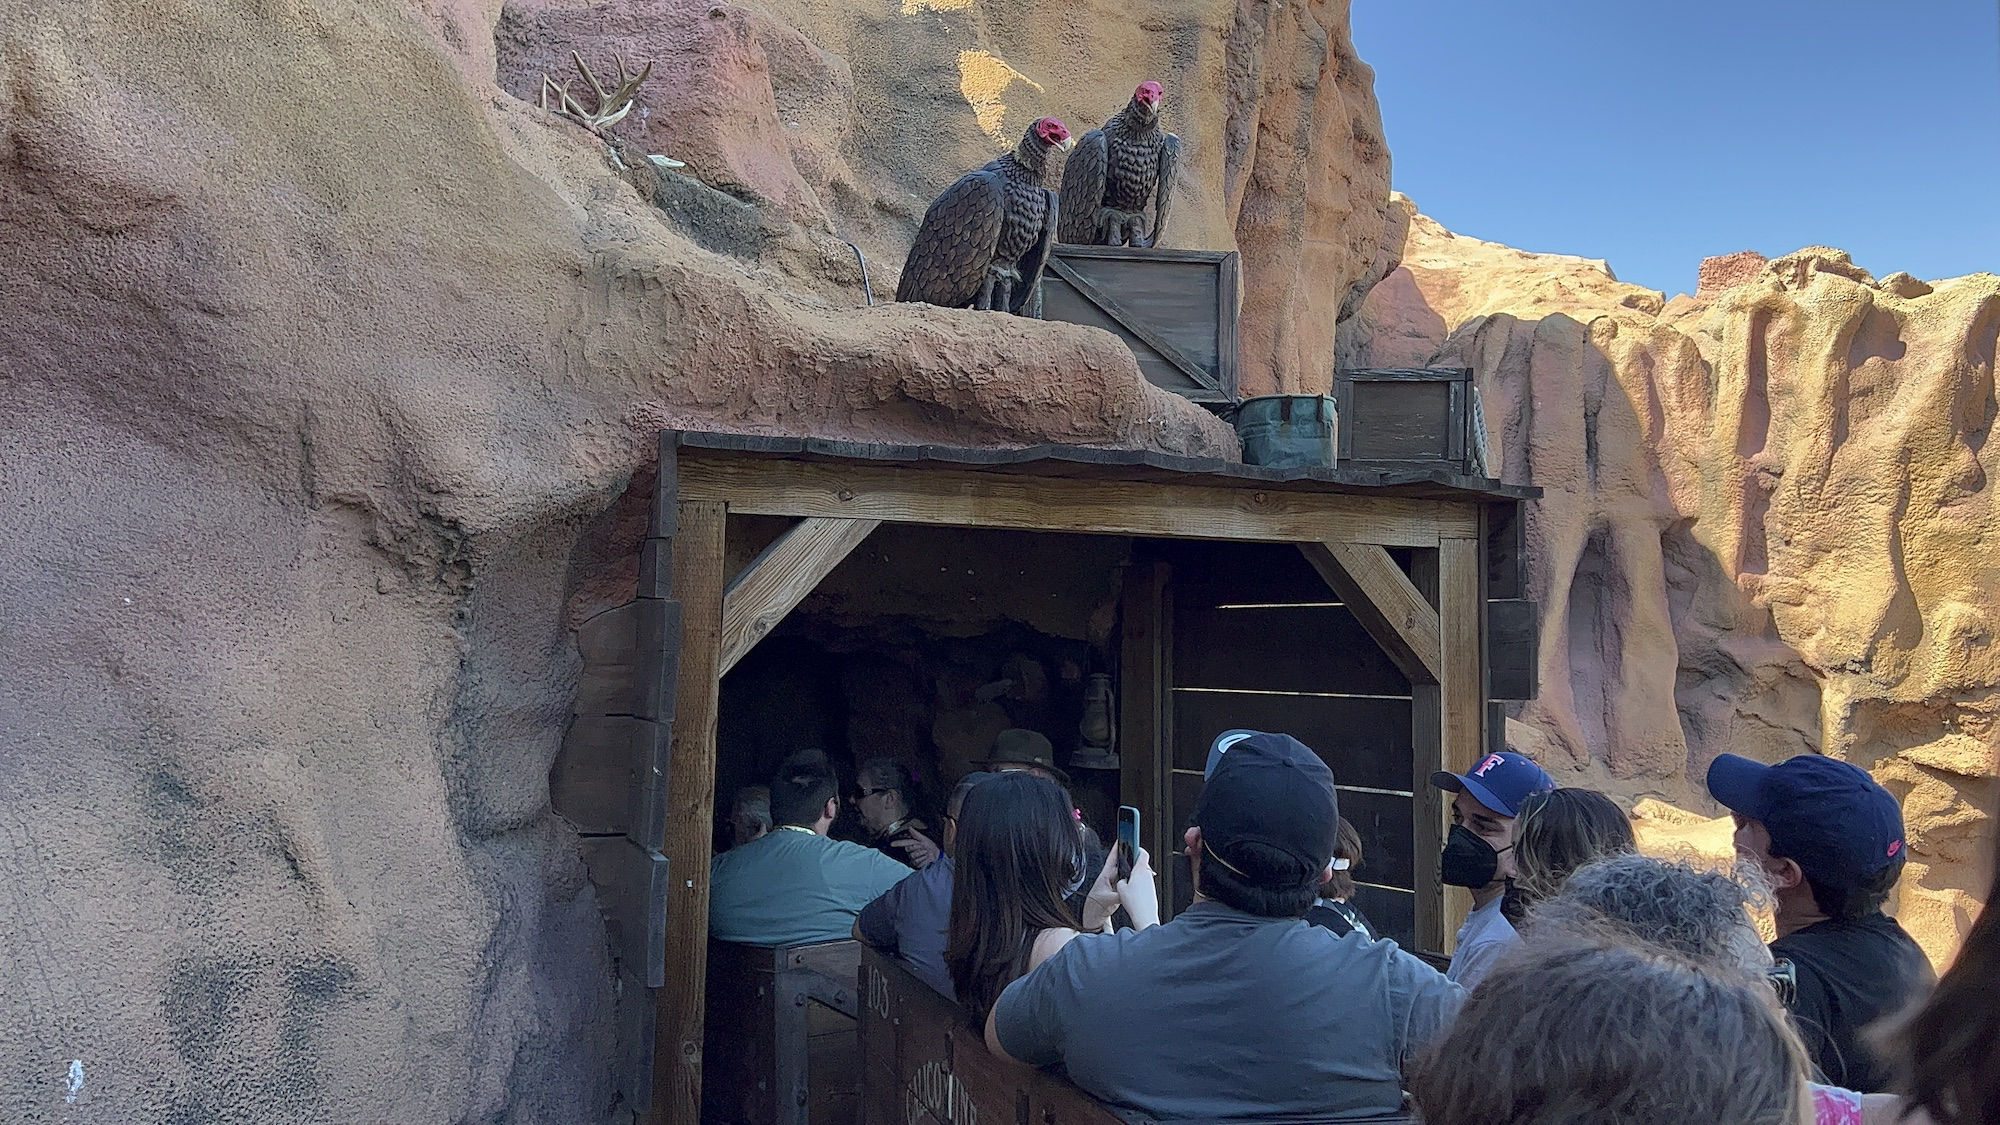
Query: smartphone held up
1128	841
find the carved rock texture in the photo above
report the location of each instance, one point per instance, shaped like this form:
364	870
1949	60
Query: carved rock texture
852	118
1769	525
323	365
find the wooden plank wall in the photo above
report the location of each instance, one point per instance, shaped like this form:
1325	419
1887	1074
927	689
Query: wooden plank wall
609	780
1260	641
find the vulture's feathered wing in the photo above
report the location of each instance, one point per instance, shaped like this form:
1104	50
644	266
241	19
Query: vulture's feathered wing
954	246
1083	190
1163	191
984	243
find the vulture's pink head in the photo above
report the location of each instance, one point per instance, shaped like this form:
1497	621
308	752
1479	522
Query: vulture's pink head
1053	133
1149	94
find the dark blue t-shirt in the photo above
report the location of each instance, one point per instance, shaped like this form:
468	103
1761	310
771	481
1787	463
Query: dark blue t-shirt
912	920
1222	1014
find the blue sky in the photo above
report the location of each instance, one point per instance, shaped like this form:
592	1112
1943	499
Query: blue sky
1654	135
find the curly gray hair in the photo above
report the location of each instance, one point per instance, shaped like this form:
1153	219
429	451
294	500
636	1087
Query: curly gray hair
1698	913
1587	1029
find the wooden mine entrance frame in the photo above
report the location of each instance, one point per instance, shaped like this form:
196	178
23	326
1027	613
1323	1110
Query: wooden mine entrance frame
1430	621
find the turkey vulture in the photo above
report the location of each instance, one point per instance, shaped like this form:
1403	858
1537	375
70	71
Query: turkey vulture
1114	171
983	243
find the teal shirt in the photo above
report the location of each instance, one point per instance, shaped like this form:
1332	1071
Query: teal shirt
789	886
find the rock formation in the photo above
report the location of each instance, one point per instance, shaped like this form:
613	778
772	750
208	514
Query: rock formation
851	119
325	359
1768	525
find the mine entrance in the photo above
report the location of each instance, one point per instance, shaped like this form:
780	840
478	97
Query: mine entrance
909	601
926	642
921	646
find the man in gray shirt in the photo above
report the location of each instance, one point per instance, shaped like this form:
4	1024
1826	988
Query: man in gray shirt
1237	1008
1478	855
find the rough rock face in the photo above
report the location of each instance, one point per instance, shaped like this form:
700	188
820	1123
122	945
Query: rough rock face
1726	271
326	361
851	119
1768	528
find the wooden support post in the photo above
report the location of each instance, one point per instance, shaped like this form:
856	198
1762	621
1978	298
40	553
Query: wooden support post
1462	644
697	585
1450	721
1145	715
1432	815
776	581
1385	601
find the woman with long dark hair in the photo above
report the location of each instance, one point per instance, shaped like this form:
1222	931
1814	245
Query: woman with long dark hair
1015	857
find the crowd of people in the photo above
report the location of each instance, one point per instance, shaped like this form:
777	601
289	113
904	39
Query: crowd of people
1588	983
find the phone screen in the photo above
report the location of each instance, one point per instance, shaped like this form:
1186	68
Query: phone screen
1128	840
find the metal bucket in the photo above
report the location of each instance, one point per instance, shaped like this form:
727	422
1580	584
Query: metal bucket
1288	431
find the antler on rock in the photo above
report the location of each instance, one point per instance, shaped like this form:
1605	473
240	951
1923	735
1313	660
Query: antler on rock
612	105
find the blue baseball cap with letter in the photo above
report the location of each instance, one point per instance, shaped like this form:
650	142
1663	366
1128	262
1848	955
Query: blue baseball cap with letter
1833	819
1499	781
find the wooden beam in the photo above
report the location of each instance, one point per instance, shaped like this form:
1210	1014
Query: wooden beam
1462	642
1513	648
936	494
1384	600
1431	817
697	585
1456	712
1461	634
776	581
1145	714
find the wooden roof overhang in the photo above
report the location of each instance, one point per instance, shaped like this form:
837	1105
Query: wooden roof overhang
1429	619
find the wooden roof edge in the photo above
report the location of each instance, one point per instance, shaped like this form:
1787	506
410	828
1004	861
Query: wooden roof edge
1149	465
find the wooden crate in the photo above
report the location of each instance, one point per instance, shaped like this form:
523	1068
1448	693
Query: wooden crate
1176	310
1410	417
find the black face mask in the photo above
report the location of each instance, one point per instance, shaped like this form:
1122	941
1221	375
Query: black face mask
1468	860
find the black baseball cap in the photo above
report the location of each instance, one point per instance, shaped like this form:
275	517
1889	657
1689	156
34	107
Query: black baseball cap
1268	789
1840	826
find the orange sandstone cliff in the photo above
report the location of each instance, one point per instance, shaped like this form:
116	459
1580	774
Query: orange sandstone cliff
1769	525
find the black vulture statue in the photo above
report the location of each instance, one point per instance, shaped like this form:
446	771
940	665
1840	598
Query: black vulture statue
1115	171
983	243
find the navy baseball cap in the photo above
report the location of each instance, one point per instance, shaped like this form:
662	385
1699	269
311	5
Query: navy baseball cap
1835	821
1500	781
1268	789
